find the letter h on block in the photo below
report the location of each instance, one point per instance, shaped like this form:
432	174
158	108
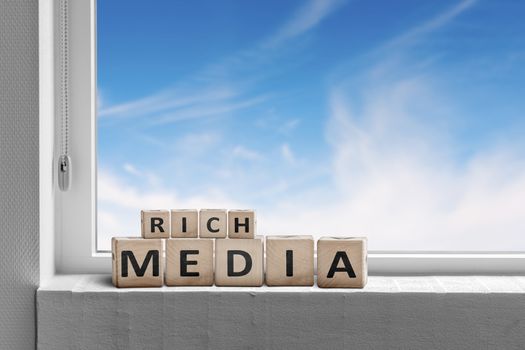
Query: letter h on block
242	224
137	262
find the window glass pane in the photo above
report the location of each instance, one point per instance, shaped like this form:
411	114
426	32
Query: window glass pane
399	120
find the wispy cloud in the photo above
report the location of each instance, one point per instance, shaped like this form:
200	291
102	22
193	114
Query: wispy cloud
243	152
430	25
306	18
287	154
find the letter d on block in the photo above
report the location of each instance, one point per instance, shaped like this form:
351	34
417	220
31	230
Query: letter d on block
137	262
239	262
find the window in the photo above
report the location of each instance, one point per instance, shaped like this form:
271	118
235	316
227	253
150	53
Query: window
328	117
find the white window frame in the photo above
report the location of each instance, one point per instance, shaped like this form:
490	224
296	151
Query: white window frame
73	224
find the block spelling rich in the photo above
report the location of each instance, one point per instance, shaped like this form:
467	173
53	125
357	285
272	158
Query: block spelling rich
184	223
242	224
137	262
155	223
212	223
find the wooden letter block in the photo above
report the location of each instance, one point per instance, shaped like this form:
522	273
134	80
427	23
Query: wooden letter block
189	262
137	262
239	262
289	260
212	223
155	223
341	262
184	223
241	224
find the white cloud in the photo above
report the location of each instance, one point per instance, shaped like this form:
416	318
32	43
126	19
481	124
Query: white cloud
434	23
243	152
287	154
306	18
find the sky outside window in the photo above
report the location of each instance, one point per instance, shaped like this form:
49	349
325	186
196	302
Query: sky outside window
402	121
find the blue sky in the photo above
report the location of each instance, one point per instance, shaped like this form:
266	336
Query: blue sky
401	121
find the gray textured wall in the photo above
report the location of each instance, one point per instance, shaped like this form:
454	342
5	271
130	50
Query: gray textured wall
19	272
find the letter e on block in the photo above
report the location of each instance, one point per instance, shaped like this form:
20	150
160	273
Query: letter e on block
241	224
239	262
155	223
189	262
342	262
137	262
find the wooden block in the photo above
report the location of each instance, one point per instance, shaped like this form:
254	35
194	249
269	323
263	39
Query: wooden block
155	223
137	262
289	260
239	262
184	223
342	262
241	224
212	223
189	262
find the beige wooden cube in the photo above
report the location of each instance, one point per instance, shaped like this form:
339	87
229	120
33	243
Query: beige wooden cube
289	260
239	262
342	262
241	223
184	223
155	223
137	262
212	223
189	262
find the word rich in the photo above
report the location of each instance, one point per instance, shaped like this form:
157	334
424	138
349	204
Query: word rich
187	247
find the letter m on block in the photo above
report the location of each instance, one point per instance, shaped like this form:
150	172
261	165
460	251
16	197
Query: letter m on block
152	255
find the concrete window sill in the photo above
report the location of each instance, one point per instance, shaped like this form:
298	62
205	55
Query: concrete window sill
86	311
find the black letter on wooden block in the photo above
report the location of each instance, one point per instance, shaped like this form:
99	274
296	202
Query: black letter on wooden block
183	224
184	263
140	271
246	225
247	267
209	224
289	263
160	222
341	255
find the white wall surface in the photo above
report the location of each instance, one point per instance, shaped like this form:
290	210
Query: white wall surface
19	197
87	312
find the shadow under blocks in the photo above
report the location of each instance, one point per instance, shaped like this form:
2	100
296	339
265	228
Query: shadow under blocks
189	247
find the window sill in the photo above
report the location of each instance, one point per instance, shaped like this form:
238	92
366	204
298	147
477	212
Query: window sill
84	311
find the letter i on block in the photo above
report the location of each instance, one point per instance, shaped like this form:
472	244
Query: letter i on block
289	260
241	224
189	262
342	262
137	262
184	223
155	223
239	262
212	223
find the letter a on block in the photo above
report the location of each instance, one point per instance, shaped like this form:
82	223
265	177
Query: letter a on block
342	262
137	262
155	223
